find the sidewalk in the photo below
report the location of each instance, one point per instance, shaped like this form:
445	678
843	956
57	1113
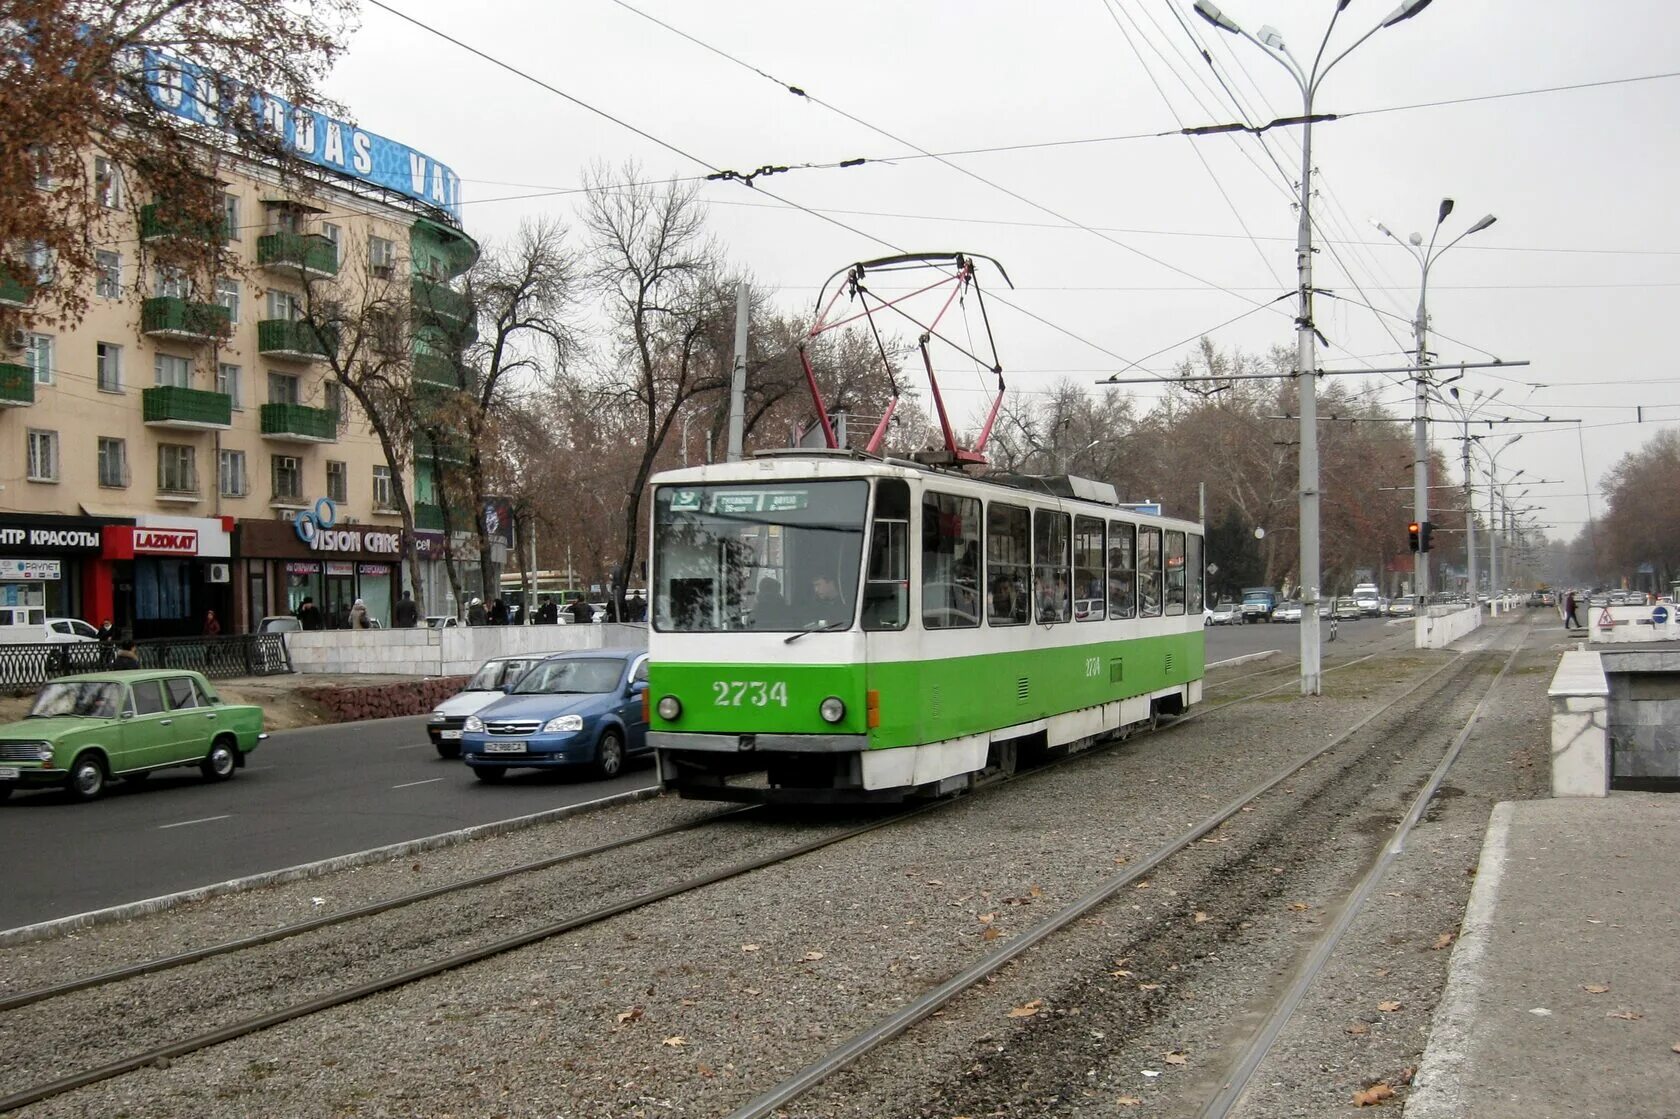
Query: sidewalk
1563	997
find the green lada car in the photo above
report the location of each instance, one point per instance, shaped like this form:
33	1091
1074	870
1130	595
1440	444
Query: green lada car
85	730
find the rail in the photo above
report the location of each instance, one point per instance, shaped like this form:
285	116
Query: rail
24	667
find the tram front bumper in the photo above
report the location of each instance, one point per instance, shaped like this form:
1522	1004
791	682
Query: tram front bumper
759	743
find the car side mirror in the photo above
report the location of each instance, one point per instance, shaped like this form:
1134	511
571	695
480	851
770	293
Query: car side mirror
637	687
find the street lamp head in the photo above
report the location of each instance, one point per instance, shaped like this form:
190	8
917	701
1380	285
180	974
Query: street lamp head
1416	239
1271	37
1405	11
1446	208
1481	225
1213	15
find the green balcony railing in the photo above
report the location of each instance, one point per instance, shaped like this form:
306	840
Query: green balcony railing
13	293
431	369
17	384
180	318
301	422
434	300
448	449
158	220
294	338
428	518
306	252
171	405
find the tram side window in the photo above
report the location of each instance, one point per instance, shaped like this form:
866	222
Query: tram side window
1193	573
886	588
1050	566
950	561
1089	585
1149	571
1175	573
1122	569
1008	563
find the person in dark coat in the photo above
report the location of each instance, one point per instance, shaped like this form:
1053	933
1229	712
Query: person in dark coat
636	607
498	615
475	612
1569	619
308	614
580	610
127	657
406	615
548	613
212	627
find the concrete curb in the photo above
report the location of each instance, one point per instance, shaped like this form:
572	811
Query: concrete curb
1438	1093
1244	659
43	930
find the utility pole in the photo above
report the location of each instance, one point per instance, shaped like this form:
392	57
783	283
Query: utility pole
1470	519
738	376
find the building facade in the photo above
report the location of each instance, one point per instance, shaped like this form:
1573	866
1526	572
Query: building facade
156	456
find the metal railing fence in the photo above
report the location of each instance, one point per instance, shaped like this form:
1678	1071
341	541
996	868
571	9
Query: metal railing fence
23	667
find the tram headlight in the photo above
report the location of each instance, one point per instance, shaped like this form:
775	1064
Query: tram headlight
670	708
833	709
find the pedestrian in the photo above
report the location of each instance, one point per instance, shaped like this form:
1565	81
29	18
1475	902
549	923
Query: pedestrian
1569	620
127	657
498	613
638	608
212	628
406	615
547	614
308	614
358	617
581	612
475	612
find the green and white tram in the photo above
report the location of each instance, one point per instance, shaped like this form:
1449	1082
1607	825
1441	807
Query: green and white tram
863	629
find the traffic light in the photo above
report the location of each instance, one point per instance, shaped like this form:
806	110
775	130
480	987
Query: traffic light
1414	532
1425	530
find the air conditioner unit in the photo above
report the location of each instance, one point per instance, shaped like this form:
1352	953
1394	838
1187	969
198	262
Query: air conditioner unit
219	573
16	339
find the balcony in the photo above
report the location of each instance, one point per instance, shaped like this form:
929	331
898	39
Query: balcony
158	222
307	254
433	369
299	423
428	518
170	317
12	293
193	409
17	385
294	340
180	491
448	450
434	301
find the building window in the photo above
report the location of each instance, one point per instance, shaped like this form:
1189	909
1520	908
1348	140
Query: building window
288	478
43	456
282	388
336	235
38	355
382	497
113	462
230	471
177	468
283	305
230	216
227	383
40	262
172	282
283	219
338	483
172	370
109	356
43	170
108	284
335	399
227	294
107	183
382	257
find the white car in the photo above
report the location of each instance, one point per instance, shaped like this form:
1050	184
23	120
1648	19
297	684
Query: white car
442	621
24	625
280	623
1287	612
1225	614
490	683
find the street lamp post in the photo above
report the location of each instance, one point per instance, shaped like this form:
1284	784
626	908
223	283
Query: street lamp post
1420	415
1306	369
1466	413
1493	523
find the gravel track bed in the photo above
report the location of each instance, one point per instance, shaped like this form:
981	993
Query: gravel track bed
692	1005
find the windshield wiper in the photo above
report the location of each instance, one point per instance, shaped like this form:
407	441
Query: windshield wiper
820	627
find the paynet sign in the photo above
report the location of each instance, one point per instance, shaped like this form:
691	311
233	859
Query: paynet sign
166	541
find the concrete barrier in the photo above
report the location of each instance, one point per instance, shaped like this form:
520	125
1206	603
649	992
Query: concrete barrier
1629	625
456	651
1580	699
1438	630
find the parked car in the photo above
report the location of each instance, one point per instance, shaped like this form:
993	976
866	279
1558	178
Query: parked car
493	680
573	709
1287	612
1226	614
280	623
84	730
29	625
442	621
1401	608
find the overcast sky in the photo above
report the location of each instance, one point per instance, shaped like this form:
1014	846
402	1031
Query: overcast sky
1579	276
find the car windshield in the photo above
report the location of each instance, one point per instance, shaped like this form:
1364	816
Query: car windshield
571	676
781	557
488	678
89	699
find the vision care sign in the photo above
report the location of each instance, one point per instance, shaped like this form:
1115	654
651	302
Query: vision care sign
308	539
378	542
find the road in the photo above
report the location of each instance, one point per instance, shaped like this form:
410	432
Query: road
319	793
304	795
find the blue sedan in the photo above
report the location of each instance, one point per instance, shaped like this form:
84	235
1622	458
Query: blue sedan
575	709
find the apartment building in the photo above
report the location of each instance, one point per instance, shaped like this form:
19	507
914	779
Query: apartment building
185	447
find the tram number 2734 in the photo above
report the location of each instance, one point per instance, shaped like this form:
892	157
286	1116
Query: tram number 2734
749	693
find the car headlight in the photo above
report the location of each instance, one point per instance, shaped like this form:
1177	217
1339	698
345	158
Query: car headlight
44	751
563	723
474	724
833	709
670	708
437	717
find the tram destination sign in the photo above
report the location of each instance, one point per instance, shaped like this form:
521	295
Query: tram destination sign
735	501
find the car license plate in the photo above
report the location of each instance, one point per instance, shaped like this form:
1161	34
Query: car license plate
504	747
449	734
8	773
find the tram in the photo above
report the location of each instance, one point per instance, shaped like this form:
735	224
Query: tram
836	626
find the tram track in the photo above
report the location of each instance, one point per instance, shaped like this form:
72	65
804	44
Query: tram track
167	1050
1252	873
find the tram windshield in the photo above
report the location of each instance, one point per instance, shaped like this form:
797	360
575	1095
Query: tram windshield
773	557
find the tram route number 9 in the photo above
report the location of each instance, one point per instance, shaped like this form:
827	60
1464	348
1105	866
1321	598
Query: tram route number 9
749	693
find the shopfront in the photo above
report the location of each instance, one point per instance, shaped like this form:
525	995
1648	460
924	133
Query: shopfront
279	567
56	564
172	574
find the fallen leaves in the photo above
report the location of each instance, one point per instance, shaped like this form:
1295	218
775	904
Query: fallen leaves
1177	1057
634	1014
1299	906
1358	1029
749	947
705	1070
1595	988
1626	1015
1675	1047
812	957
1390	1007
1144	885
1199	917
1149	986
1373	1095
1442	941
676	1042
1027	1010
1128	1101
990	932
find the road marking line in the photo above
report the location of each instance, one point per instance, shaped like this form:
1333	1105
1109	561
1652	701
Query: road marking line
186	823
419	746
411	784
